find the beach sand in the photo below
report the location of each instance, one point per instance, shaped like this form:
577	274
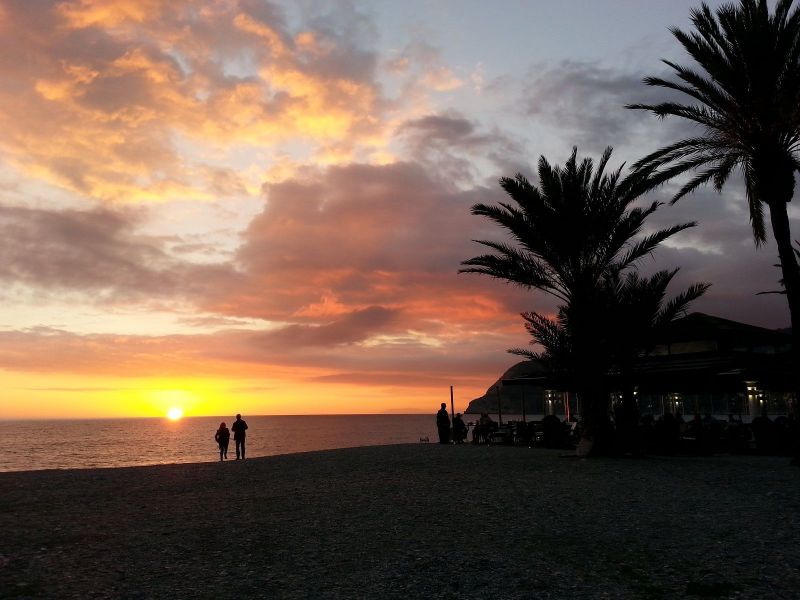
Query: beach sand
412	521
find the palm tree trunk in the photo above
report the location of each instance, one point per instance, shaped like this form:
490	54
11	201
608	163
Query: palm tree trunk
596	436
791	282
627	418
790	270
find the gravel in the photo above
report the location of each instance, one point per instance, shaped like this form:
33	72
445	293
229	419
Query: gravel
410	521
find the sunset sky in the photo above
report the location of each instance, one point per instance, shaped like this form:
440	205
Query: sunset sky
261	207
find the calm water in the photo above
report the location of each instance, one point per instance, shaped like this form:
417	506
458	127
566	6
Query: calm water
32	445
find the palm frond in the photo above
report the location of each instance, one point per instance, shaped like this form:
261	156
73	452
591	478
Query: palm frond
649	243
744	90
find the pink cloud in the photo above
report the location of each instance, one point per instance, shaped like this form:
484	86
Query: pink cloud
244	355
362	235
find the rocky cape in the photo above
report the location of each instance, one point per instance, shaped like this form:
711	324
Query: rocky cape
511	395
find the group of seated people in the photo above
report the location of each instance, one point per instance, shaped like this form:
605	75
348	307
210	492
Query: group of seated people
483	428
707	434
550	432
669	433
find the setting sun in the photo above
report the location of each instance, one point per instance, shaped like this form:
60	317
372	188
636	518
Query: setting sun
174	413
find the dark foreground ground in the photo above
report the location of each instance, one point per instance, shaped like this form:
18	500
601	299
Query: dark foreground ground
416	521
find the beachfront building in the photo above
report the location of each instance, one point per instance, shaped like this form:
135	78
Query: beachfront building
702	364
705	364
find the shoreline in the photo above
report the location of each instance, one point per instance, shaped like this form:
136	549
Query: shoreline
193	463
404	521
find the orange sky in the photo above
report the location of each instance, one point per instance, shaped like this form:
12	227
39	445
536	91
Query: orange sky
261	207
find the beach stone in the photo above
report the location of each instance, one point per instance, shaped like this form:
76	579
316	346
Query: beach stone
408	521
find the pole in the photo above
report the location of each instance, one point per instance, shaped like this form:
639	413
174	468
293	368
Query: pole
524	420
452	416
499	406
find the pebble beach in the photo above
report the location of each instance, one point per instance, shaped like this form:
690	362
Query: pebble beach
407	521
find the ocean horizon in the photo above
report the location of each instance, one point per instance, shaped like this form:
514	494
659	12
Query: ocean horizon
140	441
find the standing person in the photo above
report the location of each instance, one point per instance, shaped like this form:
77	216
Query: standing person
239	427
223	437
443	424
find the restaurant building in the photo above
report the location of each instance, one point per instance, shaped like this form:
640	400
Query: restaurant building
702	364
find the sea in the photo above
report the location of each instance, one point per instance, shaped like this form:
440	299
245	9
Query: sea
104	443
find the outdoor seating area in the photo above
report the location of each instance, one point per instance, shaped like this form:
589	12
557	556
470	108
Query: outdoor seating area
672	434
667	434
550	432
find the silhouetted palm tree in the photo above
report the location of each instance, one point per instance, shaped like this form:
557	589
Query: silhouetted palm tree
574	237
746	97
634	313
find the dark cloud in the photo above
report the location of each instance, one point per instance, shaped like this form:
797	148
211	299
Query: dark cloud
586	102
96	253
447	129
392	379
354	327
452	144
79	250
720	250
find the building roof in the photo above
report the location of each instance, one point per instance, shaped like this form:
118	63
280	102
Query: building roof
728	334
698	352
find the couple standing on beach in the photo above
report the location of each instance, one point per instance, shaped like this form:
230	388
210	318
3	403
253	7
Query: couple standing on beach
223	436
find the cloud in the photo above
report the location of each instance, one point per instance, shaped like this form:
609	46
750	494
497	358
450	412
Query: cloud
351	328
79	250
456	146
365	235
354	268
446	129
110	96
96	253
422	61
586	103
241	355
357	254
720	250
442	79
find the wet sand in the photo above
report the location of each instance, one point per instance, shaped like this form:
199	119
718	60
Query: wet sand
412	521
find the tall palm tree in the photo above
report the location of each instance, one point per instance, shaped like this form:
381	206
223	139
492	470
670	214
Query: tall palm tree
746	98
573	237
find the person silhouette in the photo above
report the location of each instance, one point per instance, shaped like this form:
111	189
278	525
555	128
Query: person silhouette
459	429
239	427
222	436
443	424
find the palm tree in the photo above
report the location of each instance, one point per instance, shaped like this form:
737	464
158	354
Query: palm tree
746	98
573	237
635	313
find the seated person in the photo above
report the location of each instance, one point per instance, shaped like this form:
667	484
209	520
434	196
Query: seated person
484	426
459	429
